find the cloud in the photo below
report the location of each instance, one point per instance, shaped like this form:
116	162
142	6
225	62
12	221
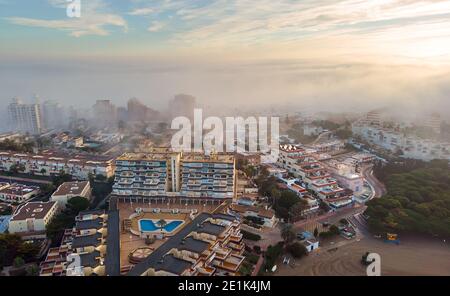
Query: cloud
156	26
141	11
93	21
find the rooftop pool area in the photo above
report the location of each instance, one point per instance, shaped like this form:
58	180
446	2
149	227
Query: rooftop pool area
149	225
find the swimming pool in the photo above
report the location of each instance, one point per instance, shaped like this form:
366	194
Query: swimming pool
148	225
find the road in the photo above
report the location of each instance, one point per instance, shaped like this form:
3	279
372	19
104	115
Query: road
25	181
378	187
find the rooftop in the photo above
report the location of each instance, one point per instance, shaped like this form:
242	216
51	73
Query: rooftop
71	188
35	209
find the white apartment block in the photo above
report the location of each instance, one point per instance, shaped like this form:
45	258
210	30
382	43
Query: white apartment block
25	118
49	164
32	218
164	172
303	164
411	147
68	190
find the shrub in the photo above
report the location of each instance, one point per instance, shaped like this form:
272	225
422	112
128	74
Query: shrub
297	250
250	235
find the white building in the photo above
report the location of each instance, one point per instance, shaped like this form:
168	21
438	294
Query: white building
31	219
17	193
407	146
50	164
25	118
68	190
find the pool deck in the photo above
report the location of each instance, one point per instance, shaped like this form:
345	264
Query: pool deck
129	242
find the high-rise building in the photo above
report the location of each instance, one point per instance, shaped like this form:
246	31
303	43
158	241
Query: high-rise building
137	111
374	117
434	122
52	114
25	118
182	105
105	113
163	172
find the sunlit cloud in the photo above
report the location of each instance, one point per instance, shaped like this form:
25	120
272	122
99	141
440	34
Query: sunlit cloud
94	20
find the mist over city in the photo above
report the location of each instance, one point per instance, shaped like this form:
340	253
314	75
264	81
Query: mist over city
233	138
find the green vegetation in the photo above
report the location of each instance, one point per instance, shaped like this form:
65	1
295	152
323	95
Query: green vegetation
288	234
326	124
12	247
287	204
272	255
61	178
296	132
11	145
66	219
417	199
250	235
297	250
333	231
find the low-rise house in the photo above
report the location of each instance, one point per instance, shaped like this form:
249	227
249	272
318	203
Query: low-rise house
311	244
68	190
266	215
31	219
17	193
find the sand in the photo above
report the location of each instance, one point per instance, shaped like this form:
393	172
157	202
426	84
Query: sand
414	256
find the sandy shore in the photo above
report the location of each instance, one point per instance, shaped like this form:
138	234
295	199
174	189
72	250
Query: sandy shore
414	256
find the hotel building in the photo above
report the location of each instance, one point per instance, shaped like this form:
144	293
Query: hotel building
164	172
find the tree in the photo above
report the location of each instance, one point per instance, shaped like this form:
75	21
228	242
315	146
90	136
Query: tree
77	204
162	223
19	262
334	229
288	233
32	270
297	250
316	232
43	171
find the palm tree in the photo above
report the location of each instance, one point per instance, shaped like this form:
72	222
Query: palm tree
162	223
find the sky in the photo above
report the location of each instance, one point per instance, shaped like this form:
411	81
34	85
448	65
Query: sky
336	54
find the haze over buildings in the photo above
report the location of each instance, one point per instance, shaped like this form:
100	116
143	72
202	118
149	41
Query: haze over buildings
339	55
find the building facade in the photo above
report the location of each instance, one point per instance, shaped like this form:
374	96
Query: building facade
25	118
50	164
164	172
31	219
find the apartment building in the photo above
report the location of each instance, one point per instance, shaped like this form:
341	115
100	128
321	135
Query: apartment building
211	245
17	193
397	142
55	262
68	190
303	164
31	219
208	176
25	118
164	172
49	163
83	248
